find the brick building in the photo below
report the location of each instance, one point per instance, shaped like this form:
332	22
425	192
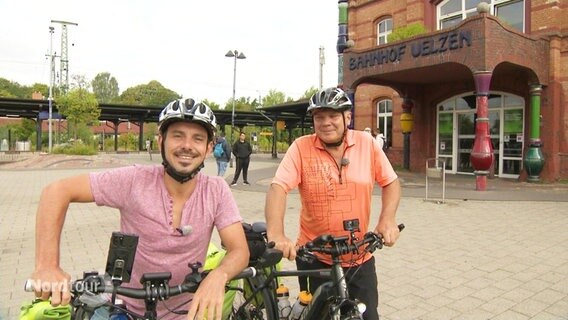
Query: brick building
486	86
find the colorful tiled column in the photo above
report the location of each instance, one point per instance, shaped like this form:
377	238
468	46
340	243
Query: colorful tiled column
341	46
482	154
534	159
341	39
406	125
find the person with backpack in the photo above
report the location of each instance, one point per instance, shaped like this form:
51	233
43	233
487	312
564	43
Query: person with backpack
222	154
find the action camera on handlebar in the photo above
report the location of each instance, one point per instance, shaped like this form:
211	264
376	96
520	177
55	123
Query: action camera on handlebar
351	225
121	253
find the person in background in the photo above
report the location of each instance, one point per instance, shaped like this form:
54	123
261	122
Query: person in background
172	207
381	139
223	160
368	130
242	151
335	170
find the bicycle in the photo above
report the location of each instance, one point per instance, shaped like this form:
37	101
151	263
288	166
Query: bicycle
330	301
155	288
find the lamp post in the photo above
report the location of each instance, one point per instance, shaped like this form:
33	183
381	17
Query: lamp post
235	55
51	80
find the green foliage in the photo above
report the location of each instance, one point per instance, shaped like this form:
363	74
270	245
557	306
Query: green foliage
105	87
41	88
151	94
309	93
407	31
79	107
22	131
127	142
273	98
76	149
211	104
242	104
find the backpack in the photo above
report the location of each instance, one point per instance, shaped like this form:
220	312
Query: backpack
218	151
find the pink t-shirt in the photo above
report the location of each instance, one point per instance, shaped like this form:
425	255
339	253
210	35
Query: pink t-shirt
330	193
146	210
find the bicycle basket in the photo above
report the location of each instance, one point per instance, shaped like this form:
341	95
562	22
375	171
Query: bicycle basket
42	310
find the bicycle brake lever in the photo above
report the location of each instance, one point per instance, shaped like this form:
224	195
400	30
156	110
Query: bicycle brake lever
305	255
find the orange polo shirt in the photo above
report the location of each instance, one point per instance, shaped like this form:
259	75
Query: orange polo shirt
330	193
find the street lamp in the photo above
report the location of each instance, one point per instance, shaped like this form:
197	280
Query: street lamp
235	55
51	80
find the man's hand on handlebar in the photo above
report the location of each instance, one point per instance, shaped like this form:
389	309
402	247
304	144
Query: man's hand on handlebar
207	301
285	245
389	232
54	283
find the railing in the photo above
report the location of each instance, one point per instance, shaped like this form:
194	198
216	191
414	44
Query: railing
436	169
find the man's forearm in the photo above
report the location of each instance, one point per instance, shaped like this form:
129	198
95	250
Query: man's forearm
49	225
274	210
390	198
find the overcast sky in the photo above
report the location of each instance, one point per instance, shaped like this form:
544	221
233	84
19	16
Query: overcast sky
181	44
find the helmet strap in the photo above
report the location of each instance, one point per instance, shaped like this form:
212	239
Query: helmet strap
179	177
340	141
176	175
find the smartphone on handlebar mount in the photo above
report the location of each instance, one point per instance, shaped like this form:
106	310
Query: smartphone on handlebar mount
121	253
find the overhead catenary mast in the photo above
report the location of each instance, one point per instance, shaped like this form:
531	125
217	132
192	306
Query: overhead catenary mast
64	60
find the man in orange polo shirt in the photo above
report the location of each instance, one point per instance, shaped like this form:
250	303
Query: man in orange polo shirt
335	170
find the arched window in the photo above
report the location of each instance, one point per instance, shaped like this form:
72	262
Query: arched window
452	12
384	28
384	119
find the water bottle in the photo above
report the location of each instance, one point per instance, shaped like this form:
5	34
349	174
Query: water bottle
284	308
300	305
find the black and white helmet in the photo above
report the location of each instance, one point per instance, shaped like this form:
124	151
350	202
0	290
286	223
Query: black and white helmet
332	98
188	110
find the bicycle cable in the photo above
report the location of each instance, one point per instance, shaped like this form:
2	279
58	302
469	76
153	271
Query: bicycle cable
176	309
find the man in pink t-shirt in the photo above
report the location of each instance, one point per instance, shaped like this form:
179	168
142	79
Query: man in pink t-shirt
173	208
335	170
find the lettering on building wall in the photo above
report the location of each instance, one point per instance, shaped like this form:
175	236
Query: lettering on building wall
421	48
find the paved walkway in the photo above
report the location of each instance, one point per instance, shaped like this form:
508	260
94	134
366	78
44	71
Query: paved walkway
497	254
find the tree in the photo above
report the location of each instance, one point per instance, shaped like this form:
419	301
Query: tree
12	89
80	82
79	106
274	97
105	87
41	88
151	94
309	93
211	104
242	104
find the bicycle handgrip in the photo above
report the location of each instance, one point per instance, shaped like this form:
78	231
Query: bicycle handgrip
248	272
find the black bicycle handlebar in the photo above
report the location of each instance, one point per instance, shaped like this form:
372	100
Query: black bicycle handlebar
337	246
96	284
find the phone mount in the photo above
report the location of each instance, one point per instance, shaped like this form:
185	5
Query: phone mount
120	259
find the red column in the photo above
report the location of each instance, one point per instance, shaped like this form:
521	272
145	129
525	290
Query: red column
482	153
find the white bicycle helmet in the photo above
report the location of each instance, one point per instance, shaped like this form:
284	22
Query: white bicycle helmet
332	98
188	110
